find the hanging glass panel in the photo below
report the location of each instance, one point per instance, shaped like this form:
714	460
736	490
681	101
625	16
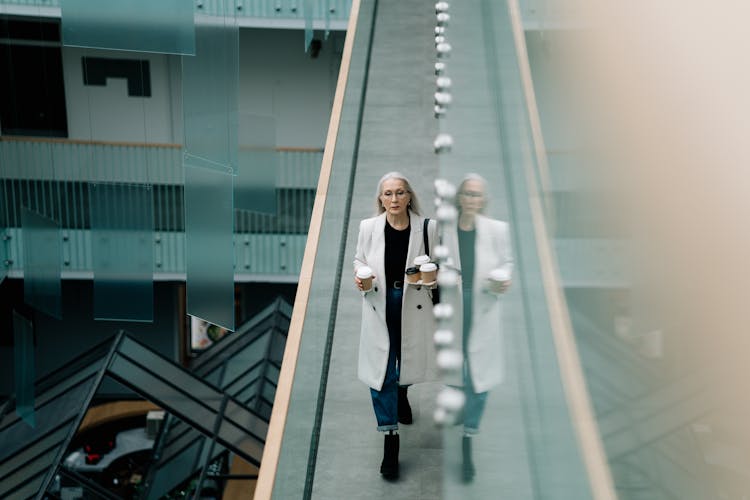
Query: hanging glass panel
209	92
23	336
140	25
209	251
255	184
41	262
3	227
307	5
123	257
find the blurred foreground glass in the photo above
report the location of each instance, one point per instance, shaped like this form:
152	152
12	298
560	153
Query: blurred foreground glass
165	26
527	443
123	257
41	255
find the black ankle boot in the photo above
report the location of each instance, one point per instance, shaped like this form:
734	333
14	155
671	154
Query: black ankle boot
404	409
389	467
468	470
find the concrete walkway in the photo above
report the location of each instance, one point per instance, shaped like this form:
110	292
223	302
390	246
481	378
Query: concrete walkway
397	134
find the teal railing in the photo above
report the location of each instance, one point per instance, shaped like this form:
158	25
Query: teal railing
331	10
53	176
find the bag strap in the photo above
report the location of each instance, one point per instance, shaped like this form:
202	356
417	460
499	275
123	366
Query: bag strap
424	235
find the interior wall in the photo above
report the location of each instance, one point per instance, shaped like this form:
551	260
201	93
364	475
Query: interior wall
277	79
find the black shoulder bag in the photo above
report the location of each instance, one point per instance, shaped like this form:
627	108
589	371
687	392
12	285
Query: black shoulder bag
436	290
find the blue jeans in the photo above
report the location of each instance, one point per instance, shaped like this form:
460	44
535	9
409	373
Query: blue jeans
385	401
474	404
475	401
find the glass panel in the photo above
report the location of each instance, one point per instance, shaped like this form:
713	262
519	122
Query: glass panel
246	393
34	451
61	411
517	401
139	25
209	251
245	419
177	467
246	444
163	394
307	6
25	482
255	185
3	223
41	255
182	381
244	359
209	91
123	256
25	367
241	383
300	430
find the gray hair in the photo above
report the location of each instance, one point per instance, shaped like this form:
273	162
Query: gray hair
472	177
413	204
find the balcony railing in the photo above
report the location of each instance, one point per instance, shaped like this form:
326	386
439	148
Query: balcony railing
52	176
335	12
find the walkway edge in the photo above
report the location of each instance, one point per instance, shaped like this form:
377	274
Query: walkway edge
272	449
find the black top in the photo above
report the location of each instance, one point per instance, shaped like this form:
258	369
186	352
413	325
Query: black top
396	248
466	242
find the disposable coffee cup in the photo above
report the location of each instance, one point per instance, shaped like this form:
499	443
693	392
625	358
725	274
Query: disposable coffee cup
421	259
364	273
498	277
413	275
429	272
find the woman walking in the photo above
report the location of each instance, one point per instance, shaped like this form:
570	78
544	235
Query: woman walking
486	266
395	348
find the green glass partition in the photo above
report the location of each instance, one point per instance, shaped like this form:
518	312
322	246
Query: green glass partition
298	455
122	225
255	184
41	255
209	91
25	367
138	25
209	250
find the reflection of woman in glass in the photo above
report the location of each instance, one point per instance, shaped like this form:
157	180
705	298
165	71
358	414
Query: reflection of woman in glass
486	264
397	323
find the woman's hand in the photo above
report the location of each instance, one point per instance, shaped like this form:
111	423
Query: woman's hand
358	283
498	287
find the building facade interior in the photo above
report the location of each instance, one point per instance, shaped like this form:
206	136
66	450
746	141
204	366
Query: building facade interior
181	187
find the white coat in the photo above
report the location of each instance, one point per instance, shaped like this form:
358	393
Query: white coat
492	250
417	320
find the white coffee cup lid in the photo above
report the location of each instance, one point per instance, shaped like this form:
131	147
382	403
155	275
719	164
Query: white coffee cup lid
430	266
364	272
500	274
421	259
